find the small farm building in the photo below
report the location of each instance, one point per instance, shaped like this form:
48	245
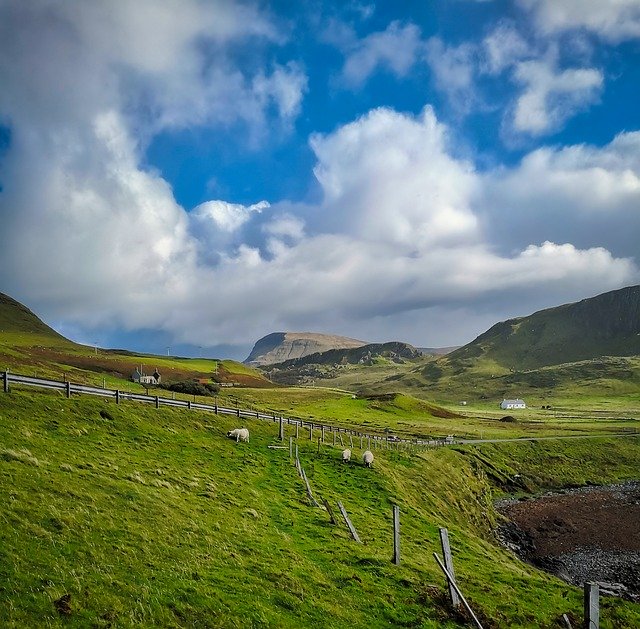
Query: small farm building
139	376
508	404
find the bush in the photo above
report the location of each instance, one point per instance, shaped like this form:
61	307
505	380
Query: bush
192	388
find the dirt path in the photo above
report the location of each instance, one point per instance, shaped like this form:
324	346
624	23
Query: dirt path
590	534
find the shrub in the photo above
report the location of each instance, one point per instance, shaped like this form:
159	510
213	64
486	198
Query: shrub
192	388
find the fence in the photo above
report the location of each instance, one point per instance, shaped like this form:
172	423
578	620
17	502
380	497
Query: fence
69	388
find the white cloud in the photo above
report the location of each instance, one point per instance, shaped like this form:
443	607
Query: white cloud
286	226
503	47
551	95
395	49
453	69
388	177
613	20
225	216
575	191
285	87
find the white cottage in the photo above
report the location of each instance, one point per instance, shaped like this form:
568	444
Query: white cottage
139	376
509	404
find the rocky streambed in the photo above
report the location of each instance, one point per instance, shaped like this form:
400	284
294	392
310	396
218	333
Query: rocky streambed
586	534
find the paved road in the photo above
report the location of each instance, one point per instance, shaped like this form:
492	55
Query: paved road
474	441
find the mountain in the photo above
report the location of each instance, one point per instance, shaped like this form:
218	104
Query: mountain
280	346
18	319
606	325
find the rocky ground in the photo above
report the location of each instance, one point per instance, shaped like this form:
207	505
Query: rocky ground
587	534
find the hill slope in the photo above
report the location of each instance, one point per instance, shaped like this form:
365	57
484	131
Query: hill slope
128	516
28	345
280	346
606	325
319	365
15	318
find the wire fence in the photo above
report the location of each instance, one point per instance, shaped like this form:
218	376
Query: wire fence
369	440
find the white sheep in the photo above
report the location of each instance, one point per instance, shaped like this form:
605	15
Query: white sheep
367	458
346	455
241	434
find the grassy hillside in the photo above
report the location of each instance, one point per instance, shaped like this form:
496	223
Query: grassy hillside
29	346
589	348
153	517
606	325
19	326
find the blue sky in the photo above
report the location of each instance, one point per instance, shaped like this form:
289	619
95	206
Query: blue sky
194	175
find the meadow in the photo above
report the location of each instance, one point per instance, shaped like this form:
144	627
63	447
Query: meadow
125	515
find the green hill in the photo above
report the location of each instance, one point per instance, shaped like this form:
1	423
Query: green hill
29	346
18	322
606	325
324	364
127	516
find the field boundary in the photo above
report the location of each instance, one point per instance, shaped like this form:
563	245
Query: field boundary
69	388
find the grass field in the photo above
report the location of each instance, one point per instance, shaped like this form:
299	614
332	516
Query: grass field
153	517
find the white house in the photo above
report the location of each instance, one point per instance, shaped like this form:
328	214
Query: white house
139	376
508	404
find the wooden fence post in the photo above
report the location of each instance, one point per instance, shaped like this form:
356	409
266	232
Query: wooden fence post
311	431
322	432
306	482
6	381
452	582
297	428
68	389
281	431
327	506
290	447
396	535
157	402
350	526
117	396
591	606
448	563
334	437
188	404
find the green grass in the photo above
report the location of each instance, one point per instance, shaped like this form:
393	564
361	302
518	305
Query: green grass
153	517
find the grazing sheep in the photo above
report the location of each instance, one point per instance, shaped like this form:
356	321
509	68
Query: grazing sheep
346	455
241	434
367	458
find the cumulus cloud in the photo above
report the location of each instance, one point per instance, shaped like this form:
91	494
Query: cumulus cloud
581	190
613	20
394	49
420	195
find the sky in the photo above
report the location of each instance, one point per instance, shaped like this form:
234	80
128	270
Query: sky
187	176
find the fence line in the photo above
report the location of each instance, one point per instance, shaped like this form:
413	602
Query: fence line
117	395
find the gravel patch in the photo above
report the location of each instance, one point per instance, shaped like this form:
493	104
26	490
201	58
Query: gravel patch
585	534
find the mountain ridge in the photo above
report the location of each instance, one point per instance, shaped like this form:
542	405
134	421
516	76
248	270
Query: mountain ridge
605	325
